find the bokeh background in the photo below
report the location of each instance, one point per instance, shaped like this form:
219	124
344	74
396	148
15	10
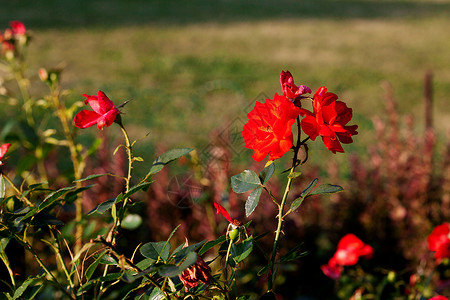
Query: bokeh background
193	69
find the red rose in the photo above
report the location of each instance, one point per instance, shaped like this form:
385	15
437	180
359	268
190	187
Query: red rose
350	249
439	297
104	112
439	241
290	90
3	149
269	128
198	272
18	28
329	120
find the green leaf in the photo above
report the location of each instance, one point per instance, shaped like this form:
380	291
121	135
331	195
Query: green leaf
156	294
90	270
174	270
240	251
21	289
137	188
128	276
190	260
155	250
294	175
180	254
53	198
71	196
93	176
297	202
293	254
145	263
309	188
132	221
44	219
166	158
266	173
212	244
326	189
108	260
245	181
105	206
252	201
2	187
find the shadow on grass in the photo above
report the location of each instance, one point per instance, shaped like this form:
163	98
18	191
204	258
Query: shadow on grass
106	13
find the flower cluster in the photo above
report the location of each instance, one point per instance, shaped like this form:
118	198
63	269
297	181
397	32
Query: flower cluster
269	127
350	249
11	37
439	241
104	112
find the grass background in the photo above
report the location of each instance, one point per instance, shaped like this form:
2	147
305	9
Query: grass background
195	66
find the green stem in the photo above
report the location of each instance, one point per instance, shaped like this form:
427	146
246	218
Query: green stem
16	190
121	212
117	223
77	165
61	260
278	231
281	206
226	260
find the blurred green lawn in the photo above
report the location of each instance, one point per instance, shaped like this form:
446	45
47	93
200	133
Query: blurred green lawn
195	66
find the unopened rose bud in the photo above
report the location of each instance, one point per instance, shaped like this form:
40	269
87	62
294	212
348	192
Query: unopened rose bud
391	276
234	234
43	74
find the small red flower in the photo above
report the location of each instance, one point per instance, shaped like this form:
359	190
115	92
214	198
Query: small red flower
269	128
3	149
198	272
290	90
439	241
439	297
104	112
329	120
350	249
18	28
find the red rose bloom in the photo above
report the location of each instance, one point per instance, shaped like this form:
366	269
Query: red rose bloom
104	112
198	272
439	297
329	120
3	149
18	28
350	249
290	90
269	128
439	241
